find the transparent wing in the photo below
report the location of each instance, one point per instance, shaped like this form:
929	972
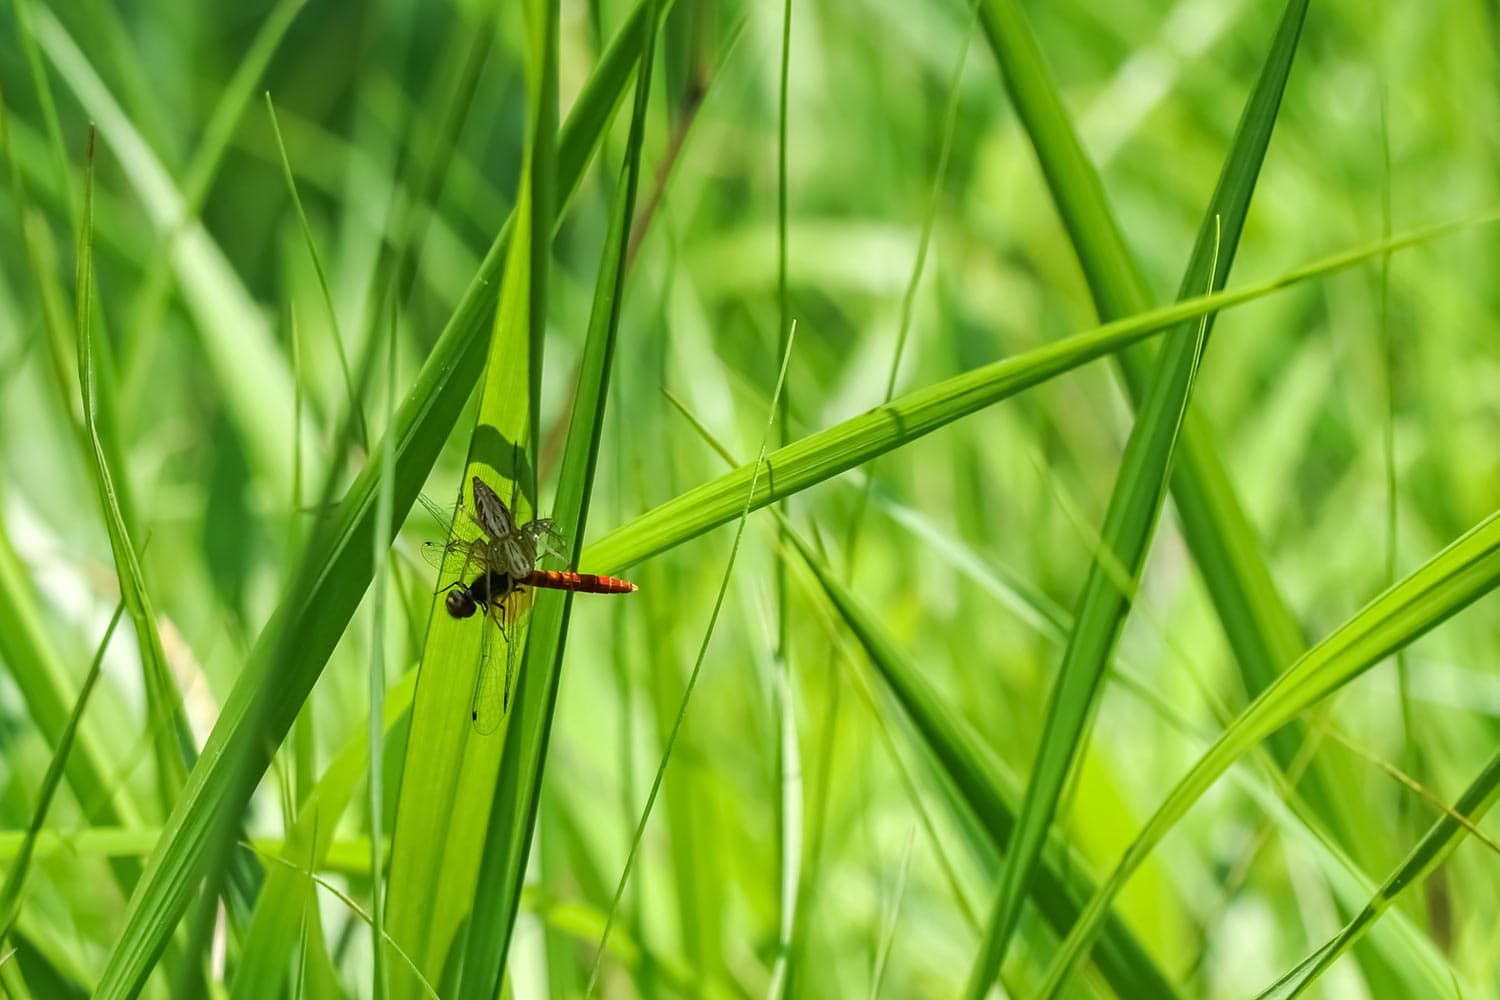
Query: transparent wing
473	552
499	658
490	511
443	515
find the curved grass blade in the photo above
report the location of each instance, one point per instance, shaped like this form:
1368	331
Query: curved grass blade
1450	581
165	720
237	340
273	926
356	410
983	795
354	908
149	305
1441	838
991	795
295	645
692	680
1260	628
1134	506
826	453
15	875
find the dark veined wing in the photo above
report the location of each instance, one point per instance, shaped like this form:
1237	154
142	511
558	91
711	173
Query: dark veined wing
490	511
501	647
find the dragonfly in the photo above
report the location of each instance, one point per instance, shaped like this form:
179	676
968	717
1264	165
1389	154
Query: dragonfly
497	573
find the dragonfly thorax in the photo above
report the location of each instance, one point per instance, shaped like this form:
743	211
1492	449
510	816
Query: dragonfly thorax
488	588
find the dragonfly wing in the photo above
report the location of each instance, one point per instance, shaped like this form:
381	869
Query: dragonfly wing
437	553
500	658
442	515
490	511
486	708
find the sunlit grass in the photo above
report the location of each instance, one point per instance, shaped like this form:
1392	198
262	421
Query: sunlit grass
1032	559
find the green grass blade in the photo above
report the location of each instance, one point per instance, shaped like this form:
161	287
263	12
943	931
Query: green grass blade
1261	630
692	681
514	810
274	925
981	796
990	794
237	341
356	410
1441	838
57	146
1454	578
61	338
295	646
150	303
384	513
45	686
888	936
919	263
449	772
787	805
165	720
15	875
542	173
844	446
432	897
1129	522
24	644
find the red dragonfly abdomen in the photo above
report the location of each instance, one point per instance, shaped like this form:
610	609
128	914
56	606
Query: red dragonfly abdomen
580	583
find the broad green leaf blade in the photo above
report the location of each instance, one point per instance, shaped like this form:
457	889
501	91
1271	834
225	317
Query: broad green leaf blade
455	770
513	814
844	446
449	772
295	646
1466	570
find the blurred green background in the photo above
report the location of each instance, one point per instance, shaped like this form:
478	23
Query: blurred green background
1356	416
